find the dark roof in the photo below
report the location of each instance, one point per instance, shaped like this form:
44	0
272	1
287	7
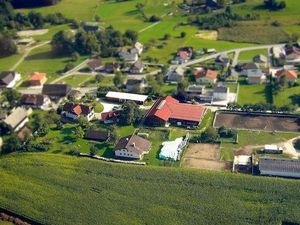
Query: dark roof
250	66
138	65
96	135
133	82
260	58
220	89
32	99
6	77
279	165
112	115
56	90
134	143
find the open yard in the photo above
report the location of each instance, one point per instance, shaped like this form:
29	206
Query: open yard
253	93
258	122
247	56
204	156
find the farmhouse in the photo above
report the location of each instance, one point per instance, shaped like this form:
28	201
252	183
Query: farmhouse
35	101
18	118
205	76
96	135
123	97
56	90
292	54
130	56
290	75
139	47
95	65
175	75
136	85
8	79
253	73
168	110
220	93
183	55
279	167
37	79
133	147
91	26
74	111
110	117
137	67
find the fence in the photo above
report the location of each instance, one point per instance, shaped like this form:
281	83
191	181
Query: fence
111	160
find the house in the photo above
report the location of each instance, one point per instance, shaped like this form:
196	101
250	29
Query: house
168	110
183	55
35	101
254	74
132	147
242	163
123	97
222	60
220	93
96	135
74	111
110	117
175	75
272	149
205	76
136	85
111	67
279	167
139	47
278	52
195	91
94	65
56	90
261	60
129	56
91	27
290	75
37	79
25	131
292	54
8	79
137	68
18	118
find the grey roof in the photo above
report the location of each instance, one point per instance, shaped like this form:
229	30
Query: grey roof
279	165
6	77
133	82
138	65
220	89
56	90
260	58
195	88
16	117
134	143
250	66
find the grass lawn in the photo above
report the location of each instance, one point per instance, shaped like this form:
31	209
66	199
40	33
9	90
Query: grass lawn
168	89
232	87
77	80
70	190
247	56
253	138
288	96
106	82
7	62
44	60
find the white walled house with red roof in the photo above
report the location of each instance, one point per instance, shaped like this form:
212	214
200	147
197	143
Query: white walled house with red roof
290	75
168	110
74	111
205	76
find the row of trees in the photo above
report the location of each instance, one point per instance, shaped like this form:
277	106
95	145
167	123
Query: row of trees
32	3
105	43
260	107
274	5
212	135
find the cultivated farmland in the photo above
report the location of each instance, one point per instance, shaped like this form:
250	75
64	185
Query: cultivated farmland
57	189
257	122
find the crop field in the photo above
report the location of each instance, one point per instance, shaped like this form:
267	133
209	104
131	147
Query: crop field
56	189
258	122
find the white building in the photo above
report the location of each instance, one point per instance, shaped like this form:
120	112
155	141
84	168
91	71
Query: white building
74	111
272	149
220	93
242	163
122	97
9	79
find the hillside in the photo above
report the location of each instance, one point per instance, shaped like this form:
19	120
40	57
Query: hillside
63	190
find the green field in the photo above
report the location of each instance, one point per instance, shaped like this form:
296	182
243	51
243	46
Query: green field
247	56
253	94
7	62
77	80
287	96
57	189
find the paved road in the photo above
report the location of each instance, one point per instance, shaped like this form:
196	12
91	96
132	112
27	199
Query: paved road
26	53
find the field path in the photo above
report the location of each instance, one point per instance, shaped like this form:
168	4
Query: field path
152	25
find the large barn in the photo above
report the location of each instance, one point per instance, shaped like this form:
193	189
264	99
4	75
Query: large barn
168	110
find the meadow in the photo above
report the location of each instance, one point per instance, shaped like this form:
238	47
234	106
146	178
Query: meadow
56	189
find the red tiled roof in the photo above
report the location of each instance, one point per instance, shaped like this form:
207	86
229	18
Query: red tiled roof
290	74
183	55
38	76
169	108
202	72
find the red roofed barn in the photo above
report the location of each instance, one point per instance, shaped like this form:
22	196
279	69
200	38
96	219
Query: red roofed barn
169	110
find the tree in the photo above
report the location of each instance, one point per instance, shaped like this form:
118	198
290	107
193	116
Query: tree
63	42
79	132
12	144
131	36
119	79
93	150
75	56
112	134
36	19
181	93
12	97
7	45
131	113
210	135
83	123
183	34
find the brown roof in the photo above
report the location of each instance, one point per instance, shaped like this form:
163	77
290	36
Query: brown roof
96	135
134	143
32	99
23	132
77	109
6	77
201	73
112	115
289	74
94	64
56	90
